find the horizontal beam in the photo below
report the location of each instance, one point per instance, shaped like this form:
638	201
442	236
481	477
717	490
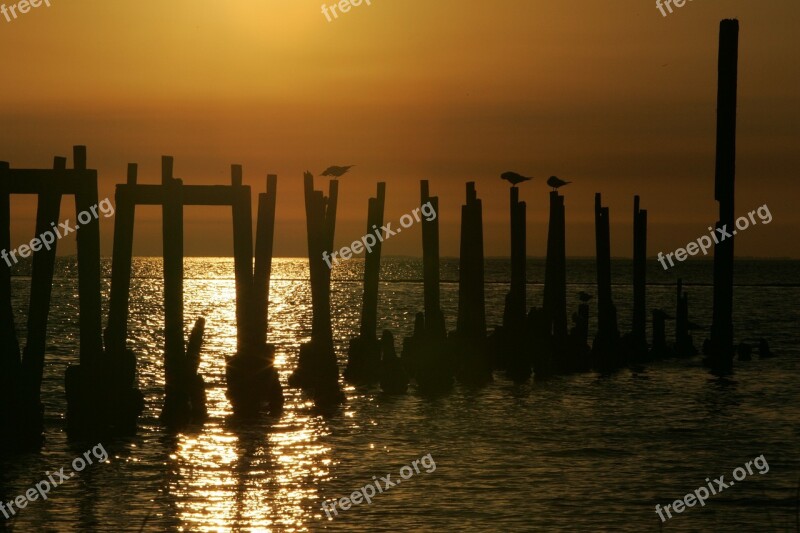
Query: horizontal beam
192	194
37	181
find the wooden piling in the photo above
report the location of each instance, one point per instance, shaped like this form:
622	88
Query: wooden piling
372	266
243	260
43	268
121	265
639	274
517	297
88	244
434	320
317	371
471	298
176	397
605	346
722	349
9	343
265	236
555	289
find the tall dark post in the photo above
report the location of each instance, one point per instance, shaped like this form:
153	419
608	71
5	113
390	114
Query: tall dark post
471	297
605	346
265	236
9	345
88	244
243	260
512	340
372	267
48	210
426	353
639	277
317	371
434	320
518	257
176	402
721	357
251	376
122	259
471	346
364	352
555	284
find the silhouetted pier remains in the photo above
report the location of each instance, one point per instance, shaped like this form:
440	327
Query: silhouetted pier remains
103	398
253	382
721	348
364	355
510	341
606	347
639	321
469	341
94	387
317	371
425	353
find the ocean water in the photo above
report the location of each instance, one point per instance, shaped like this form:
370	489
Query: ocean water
574	453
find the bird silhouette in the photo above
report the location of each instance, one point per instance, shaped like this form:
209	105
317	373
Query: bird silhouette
584	296
514	178
337	172
555	183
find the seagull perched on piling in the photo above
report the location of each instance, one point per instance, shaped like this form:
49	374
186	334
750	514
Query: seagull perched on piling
514	178
584	296
555	183
337	172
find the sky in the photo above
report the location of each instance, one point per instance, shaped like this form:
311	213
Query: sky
612	96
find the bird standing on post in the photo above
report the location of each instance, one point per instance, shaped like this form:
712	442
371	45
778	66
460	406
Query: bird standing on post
337	172
513	178
555	183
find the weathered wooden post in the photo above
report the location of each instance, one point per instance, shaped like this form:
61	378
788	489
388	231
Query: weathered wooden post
10	365
364	353
252	380
317	371
243	260
512	340
470	341
722	350
434	319
265	237
43	268
372	266
471	299
639	279
605	346
517	306
555	289
177	406
121	269
88	244
426	353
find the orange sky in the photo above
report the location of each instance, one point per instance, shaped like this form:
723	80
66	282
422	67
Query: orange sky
609	94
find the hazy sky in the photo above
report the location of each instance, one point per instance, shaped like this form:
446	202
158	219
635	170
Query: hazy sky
611	95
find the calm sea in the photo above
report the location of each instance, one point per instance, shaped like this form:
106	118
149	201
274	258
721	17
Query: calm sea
576	453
